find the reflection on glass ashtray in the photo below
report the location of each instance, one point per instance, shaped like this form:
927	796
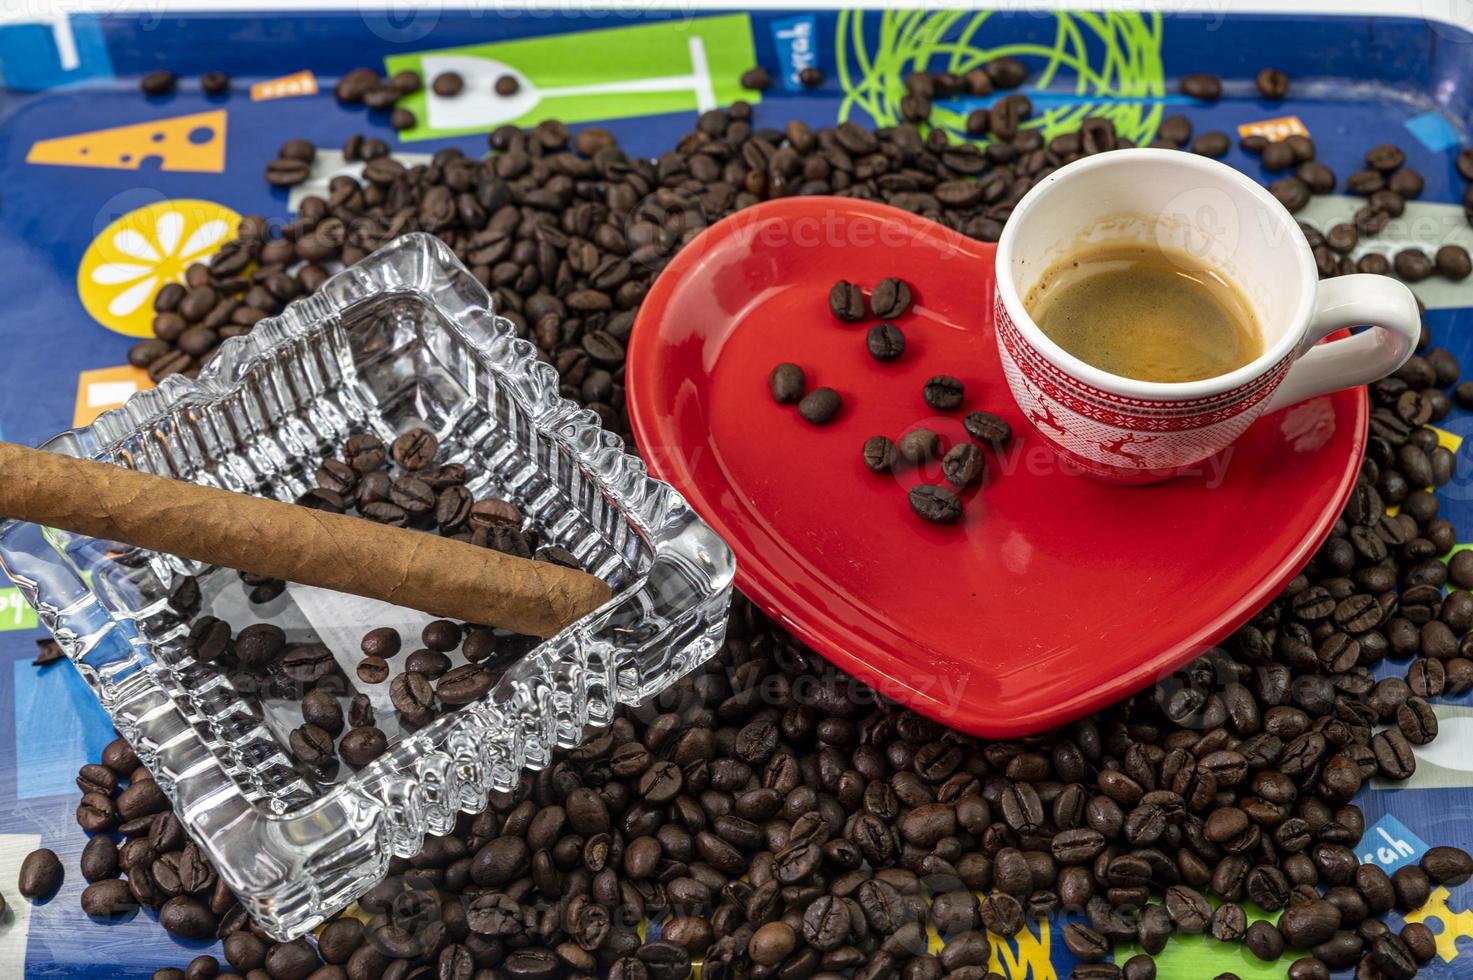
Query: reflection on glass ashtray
404	338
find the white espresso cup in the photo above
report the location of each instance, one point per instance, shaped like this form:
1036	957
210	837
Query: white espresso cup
1121	429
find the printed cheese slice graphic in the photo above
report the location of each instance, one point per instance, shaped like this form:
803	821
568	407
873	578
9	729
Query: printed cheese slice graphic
193	143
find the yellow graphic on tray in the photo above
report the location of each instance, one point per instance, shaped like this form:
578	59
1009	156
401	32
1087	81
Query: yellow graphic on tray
1455	925
194	143
1274	130
134	256
285	87
106	388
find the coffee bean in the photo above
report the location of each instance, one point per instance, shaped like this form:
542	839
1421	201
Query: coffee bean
935	504
94	778
846	302
1291	192
453	509
988	429
493	513
373	670
160	82
1229	923
440	635
119	756
772	943
1385	157
311	745
1202	86
879	454
1002	914
415	449
432	663
962	465
1214	144
464	684
787	384
362	745
260	644
819	406
447	84
1453	262
890	299
1272	84
1307	924
1264	941
1086	944
186	918
1319	178
40	875
1139	967
1412	264
1417	721
287	172
308	663
321	709
292	961
885	342
413	495
146	352
1189	911
1447	866
1096	971
918	446
141	798
1420	941
364	452
756	79
214	83
506	86
1277	156
99	858
108	899
944	393
1393	753
412	697
353	85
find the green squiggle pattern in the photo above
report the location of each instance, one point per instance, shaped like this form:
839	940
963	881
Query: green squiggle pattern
1110	63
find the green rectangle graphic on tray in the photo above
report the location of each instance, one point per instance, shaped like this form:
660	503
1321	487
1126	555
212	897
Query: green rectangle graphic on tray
611	73
15	612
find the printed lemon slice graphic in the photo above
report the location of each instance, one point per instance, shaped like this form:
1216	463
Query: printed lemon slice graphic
136	255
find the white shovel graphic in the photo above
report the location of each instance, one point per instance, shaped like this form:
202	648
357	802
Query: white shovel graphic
479	107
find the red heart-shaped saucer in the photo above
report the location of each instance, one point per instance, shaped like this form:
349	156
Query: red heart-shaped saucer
1056	594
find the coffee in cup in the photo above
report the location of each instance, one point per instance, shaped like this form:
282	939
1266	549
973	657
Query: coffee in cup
1144	312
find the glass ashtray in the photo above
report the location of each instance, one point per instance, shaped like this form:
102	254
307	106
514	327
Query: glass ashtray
404	339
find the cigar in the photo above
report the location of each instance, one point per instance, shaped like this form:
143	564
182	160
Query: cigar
433	574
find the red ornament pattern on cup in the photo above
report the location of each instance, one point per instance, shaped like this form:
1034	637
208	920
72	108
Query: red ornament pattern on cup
1119	431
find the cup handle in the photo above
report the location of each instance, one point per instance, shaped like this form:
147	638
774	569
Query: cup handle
1386	305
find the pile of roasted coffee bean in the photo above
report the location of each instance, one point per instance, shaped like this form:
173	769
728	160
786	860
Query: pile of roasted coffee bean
398	484
364	86
772	817
1386	184
164	82
961	466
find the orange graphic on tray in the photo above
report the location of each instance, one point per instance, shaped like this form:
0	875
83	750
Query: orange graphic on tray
1274	129
106	388
136	255
194	143
285	87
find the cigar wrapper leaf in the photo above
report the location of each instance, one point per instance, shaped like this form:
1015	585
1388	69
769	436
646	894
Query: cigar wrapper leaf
266	537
